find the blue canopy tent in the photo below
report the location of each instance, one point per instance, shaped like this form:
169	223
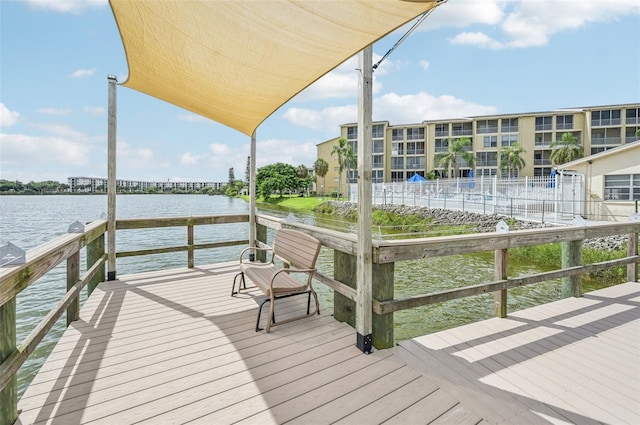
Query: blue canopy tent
416	178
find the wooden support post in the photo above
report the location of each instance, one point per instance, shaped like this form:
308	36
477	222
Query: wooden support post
73	276
364	312
571	256
252	194
261	235
344	270
383	336
111	178
500	273
8	394
190	250
95	250
632	249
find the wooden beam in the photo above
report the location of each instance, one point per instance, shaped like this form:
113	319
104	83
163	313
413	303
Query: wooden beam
632	249
571	257
364	263
111	179
499	274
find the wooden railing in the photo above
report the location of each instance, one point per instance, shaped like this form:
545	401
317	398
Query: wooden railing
41	260
15	279
386	253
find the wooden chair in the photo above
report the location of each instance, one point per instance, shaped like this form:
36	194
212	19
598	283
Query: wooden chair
299	252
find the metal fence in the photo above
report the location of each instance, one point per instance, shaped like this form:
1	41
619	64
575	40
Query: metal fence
556	198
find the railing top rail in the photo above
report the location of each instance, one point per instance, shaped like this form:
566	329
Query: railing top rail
409	249
40	260
151	222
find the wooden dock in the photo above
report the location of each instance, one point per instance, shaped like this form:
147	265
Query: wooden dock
173	347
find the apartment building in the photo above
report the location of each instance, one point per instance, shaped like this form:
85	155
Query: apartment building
97	184
400	151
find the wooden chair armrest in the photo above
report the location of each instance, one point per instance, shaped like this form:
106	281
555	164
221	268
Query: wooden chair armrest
255	249
311	271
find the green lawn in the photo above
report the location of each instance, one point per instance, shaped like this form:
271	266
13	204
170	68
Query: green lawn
294	203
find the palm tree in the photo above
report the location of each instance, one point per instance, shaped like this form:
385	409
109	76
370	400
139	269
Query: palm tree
510	159
451	158
566	149
346	158
320	169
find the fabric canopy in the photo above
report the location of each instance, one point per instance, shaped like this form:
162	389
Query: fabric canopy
416	178
238	61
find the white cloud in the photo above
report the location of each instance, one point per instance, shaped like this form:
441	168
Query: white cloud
396	109
64	131
94	110
529	23
67	6
132	160
82	73
55	111
462	13
414	108
424	64
287	151
41	152
7	117
327	119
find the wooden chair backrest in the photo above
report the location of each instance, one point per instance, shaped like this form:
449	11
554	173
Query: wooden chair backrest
297	248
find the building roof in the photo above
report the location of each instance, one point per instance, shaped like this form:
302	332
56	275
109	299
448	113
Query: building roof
600	155
238	61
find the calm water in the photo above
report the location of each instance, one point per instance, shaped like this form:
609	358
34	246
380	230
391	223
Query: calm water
29	221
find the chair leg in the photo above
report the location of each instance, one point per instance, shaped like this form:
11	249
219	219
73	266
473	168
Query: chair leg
271	313
258	328
233	288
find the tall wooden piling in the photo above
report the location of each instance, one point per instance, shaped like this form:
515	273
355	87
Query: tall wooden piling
383	336
8	394
73	276
571	256
632	249
500	273
344	270
95	250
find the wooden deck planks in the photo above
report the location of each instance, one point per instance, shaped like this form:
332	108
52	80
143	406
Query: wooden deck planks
572	361
174	347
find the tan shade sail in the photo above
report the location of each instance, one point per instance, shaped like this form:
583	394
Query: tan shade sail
238	61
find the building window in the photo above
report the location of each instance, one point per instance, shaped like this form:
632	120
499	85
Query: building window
487	126
397	163
564	122
354	146
543	123
487	159
352	133
397	148
377	176
542	158
442	145
442	130
630	134
415	148
397	134
509	140
543	139
377	161
622	187
633	116
415	133
487	172
415	163
509	125
462	129
378	146
607	117
377	130
397	176
606	136
490	141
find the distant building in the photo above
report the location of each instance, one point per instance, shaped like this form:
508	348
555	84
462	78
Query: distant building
612	181
96	184
400	151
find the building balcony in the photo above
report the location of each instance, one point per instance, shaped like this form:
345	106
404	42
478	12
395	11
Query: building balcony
462	133
606	141
486	130
604	122
544	127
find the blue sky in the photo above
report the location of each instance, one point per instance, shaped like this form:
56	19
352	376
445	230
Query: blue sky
468	58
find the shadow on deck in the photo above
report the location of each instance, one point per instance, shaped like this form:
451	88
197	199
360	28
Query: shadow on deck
174	347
